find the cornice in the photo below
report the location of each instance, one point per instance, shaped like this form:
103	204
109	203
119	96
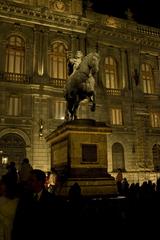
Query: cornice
125	35
98	24
113	23
28	15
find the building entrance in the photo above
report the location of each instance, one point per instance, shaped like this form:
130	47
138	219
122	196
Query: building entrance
12	148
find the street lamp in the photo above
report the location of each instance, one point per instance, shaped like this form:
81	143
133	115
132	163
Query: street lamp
4	158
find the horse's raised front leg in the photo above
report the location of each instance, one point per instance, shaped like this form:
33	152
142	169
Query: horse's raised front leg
70	112
69	109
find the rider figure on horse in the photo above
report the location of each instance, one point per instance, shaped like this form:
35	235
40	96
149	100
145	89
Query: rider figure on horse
74	63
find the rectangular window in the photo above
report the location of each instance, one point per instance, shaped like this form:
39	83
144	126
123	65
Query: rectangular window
155	120
148	80
89	153
111	78
116	116
14	106
60	109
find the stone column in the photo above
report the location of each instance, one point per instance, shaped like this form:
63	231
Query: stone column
158	73
3	55
40	52
158	60
73	45
82	44
45	53
135	68
91	45
133	59
124	69
35	52
129	64
37	58
29	59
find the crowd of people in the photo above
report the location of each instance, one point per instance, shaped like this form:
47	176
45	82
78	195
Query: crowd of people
26	204
29	205
31	209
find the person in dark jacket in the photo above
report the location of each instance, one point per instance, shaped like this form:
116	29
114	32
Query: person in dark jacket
35	209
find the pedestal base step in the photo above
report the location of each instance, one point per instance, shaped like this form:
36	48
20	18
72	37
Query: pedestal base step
92	187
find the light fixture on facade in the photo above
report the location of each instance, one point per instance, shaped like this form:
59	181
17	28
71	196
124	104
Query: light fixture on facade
41	128
40	71
4	159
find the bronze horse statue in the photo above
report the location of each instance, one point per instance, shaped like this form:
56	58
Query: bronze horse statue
80	85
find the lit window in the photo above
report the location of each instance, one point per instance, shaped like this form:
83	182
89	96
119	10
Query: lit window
14	106
57	61
116	116
15	55
60	107
155	120
147	77
111	79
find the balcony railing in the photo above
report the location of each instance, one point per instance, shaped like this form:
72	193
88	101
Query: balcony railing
54	82
57	83
14	77
113	92
24	78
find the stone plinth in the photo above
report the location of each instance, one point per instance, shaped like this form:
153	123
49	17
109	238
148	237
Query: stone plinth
79	154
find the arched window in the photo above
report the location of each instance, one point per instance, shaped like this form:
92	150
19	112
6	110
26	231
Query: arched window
111	76
156	157
58	60
147	77
13	147
118	157
15	55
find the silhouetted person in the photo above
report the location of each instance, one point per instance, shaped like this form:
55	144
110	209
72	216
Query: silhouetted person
25	170
74	192
35	210
119	179
24	174
75	203
125	187
12	172
8	206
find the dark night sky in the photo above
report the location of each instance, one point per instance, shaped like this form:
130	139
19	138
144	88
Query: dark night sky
144	12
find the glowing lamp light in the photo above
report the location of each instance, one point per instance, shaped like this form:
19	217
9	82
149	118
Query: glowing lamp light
4	160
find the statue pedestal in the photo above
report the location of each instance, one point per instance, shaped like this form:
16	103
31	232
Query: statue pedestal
79	154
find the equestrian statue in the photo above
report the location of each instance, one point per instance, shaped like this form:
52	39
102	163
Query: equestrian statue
80	84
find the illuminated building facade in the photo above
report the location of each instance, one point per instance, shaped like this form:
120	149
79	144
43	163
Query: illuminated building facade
37	38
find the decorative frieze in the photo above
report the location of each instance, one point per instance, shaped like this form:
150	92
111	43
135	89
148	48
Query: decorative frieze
34	15
59	15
